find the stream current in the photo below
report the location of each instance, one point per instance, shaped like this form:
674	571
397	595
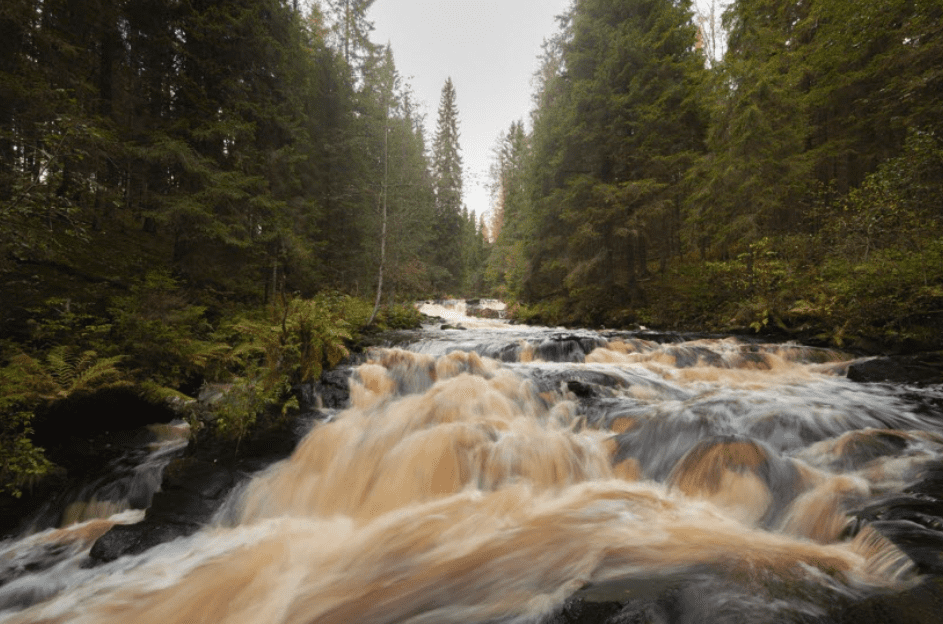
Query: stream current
497	473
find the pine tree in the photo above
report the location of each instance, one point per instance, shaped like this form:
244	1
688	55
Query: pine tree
752	180
351	30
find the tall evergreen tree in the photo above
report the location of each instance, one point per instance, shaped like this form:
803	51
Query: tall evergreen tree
506	263
413	200
351	29
397	189
447	176
754	177
612	147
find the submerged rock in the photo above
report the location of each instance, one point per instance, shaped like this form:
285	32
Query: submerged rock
922	604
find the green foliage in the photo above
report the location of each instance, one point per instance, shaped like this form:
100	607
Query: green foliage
792	187
549	312
74	372
28	384
289	344
618	128
167	339
20	460
447	176
61	321
245	400
401	316
312	337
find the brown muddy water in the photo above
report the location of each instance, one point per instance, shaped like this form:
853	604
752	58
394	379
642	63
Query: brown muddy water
494	473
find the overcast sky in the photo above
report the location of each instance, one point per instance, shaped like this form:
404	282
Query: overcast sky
489	48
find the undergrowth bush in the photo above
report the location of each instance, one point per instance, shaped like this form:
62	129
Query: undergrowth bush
278	349
28	384
401	316
166	338
157	341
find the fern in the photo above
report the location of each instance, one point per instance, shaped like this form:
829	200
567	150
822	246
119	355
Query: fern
84	371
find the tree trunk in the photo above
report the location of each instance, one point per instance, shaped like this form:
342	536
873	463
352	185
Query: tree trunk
386	173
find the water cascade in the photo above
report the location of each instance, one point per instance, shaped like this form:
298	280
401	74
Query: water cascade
497	473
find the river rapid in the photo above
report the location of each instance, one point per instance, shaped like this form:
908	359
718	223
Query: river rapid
502	473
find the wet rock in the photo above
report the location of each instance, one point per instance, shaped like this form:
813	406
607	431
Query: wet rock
484	309
105	411
913	520
567	348
924	510
579	611
585	384
926	368
924	546
191	492
331	391
504	353
193	488
107	463
133	539
922	604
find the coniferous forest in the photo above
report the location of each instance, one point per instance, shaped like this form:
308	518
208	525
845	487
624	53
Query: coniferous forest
208	191
779	168
232	190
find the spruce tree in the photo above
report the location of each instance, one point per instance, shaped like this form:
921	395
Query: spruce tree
505	263
618	127
447	179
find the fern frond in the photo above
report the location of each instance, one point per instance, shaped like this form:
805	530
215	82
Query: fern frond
96	373
61	365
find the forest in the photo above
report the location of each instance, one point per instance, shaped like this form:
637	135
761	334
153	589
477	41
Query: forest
779	169
234	190
208	191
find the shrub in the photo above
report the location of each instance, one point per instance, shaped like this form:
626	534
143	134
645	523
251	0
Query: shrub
276	350
27	384
166	339
399	316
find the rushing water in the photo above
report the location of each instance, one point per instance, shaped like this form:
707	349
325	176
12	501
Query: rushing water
491	474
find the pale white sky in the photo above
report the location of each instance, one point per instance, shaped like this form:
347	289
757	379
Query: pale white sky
490	49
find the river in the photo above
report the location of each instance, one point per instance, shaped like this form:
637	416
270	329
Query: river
502	473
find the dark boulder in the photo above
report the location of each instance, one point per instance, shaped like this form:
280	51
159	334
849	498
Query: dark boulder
567	348
195	487
925	368
584	383
331	391
579	611
192	490
133	539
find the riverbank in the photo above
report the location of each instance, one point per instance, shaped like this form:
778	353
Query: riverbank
74	375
